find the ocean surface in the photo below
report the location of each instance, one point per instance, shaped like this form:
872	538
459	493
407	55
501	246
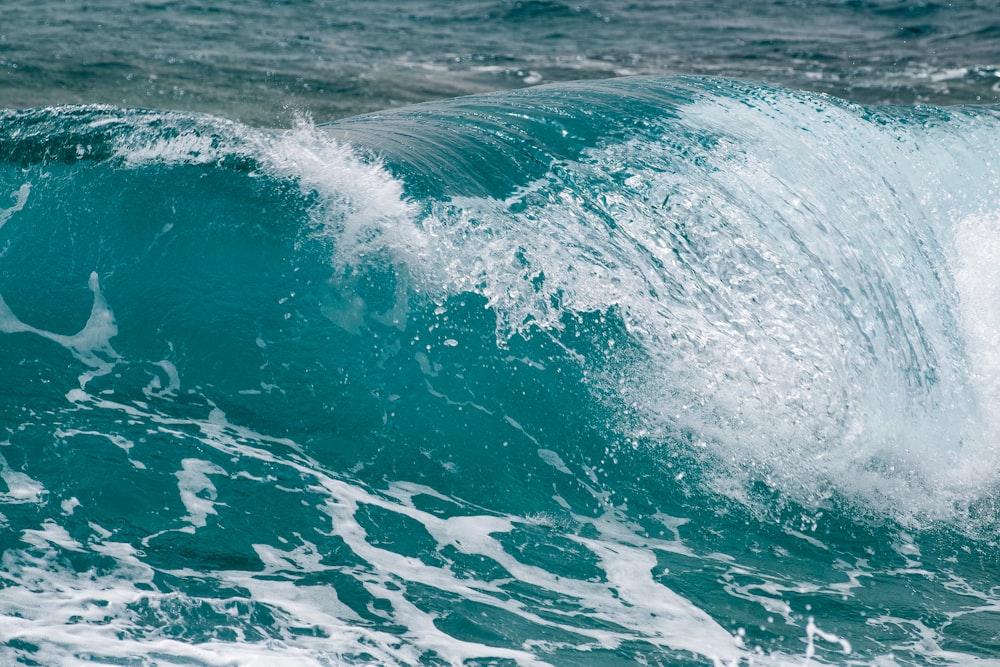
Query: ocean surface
499	333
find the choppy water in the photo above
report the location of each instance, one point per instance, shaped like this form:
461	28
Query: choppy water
261	60
646	370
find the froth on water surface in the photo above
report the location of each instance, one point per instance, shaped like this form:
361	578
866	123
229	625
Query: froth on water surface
669	371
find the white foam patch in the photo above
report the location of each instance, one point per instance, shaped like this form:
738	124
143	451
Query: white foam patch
51	533
198	493
91	345
156	388
20	487
82	619
20	199
190	138
115	439
69	505
554	460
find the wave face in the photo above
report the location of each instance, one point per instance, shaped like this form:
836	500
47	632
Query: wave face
657	371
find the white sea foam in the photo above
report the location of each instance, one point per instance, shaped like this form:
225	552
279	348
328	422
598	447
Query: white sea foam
197	491
21	488
20	199
91	345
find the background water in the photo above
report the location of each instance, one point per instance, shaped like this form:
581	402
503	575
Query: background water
258	60
675	370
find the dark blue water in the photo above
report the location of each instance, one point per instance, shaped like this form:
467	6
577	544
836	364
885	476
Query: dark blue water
663	370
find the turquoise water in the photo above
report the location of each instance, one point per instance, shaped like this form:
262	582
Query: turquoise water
639	370
645	371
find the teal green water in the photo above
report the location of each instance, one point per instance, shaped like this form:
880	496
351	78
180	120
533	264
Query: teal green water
645	371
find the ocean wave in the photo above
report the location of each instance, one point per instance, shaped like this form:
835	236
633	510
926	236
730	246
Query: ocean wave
588	371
